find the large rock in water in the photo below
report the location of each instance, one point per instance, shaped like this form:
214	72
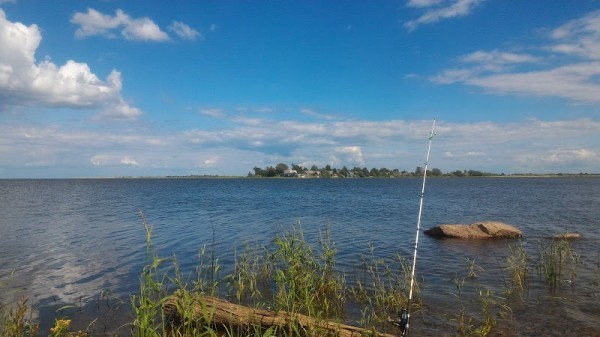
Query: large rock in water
567	236
478	230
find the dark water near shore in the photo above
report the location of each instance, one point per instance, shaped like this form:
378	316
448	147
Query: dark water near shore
67	241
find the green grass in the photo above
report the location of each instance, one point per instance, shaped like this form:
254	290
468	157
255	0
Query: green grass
16	320
557	263
478	308
517	264
381	289
289	275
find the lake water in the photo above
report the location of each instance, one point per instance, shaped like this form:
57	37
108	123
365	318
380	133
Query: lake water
67	241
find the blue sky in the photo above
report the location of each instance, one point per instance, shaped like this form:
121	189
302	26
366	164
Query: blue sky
152	88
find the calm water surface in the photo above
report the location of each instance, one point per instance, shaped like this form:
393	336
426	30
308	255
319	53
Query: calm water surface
69	241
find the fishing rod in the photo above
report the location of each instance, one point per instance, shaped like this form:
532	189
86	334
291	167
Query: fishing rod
404	320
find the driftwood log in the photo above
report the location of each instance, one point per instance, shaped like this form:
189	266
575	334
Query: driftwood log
226	314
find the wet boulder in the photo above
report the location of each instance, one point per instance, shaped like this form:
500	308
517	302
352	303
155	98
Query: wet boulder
567	236
478	230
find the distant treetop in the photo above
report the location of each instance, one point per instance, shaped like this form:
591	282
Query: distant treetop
294	170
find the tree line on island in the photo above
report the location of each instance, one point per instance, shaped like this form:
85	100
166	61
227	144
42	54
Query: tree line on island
283	170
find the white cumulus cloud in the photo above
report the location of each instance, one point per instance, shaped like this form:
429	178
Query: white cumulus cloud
353	154
129	161
73	85
94	23
210	162
143	29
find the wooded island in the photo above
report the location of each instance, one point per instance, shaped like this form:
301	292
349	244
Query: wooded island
283	170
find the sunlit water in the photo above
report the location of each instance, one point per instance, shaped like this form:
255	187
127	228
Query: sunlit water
66	242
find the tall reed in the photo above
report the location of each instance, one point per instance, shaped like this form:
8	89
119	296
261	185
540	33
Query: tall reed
479	307
305	281
149	319
381	289
557	262
250	280
517	264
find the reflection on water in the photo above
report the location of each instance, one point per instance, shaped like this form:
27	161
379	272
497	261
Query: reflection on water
67	241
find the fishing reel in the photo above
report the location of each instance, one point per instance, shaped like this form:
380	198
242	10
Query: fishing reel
402	322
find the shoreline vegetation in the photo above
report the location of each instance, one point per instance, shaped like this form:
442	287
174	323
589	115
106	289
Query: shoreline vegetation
282	170
297	171
300	278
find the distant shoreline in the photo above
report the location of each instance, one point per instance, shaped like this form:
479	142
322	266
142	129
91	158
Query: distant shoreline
531	175
548	175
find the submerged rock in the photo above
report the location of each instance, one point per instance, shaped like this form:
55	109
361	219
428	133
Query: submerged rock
478	230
